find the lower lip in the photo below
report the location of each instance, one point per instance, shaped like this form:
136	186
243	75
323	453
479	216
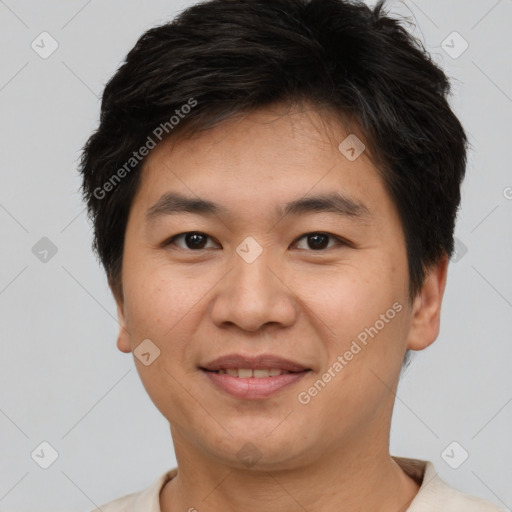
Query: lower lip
253	388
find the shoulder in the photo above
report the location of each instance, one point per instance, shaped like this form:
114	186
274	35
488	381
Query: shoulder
434	494
458	501
147	500
441	496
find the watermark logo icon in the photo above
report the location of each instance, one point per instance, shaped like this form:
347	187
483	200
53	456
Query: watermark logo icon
459	250
146	352
44	45
351	147
249	250
454	45
44	455
249	454
44	250
454	455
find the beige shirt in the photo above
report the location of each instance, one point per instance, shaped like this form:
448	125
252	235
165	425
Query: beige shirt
434	495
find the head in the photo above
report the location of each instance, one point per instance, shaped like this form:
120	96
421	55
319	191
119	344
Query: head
311	149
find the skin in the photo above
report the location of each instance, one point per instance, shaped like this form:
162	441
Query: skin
293	301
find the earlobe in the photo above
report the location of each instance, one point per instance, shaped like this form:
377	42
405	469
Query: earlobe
123	338
426	312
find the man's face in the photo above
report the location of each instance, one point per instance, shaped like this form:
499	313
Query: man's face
308	285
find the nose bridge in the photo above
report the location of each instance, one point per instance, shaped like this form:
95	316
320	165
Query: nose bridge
250	265
253	276
252	295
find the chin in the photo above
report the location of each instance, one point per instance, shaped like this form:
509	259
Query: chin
256	450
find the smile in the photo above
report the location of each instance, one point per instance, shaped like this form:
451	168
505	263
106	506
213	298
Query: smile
250	377
247	373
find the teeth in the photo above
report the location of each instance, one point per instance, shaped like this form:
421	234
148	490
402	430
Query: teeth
260	374
246	373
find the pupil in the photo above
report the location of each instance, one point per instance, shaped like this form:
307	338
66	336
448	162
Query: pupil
195	240
317	241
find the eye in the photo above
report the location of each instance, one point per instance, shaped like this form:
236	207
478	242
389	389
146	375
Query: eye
319	241
194	240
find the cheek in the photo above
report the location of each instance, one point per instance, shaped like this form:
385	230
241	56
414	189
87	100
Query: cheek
164	310
366	310
362	364
159	298
352	296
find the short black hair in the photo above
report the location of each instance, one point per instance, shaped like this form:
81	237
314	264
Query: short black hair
221	58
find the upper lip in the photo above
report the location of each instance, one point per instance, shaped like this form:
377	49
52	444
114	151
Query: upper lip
253	362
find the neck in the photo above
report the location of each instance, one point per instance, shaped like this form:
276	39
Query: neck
348	480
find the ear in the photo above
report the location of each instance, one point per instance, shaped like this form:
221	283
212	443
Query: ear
426	312
123	338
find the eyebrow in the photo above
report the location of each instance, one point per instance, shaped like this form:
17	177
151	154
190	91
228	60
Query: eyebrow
173	203
336	203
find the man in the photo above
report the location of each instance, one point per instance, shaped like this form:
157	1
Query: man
274	187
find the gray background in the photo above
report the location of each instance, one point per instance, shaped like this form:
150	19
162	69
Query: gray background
62	379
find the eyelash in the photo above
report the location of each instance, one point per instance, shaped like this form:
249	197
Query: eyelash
340	241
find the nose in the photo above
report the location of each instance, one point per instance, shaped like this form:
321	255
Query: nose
254	294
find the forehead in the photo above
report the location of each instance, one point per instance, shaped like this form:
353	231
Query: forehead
261	158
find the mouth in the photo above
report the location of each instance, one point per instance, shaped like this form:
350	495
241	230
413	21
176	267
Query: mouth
247	373
253	378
